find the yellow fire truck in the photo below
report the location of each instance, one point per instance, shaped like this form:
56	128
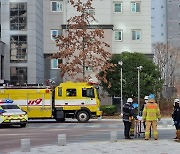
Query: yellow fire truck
68	100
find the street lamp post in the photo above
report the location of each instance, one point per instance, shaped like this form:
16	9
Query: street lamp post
139	69
121	63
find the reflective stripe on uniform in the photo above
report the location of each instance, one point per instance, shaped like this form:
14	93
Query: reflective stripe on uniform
132	131
147	133
155	133
151	112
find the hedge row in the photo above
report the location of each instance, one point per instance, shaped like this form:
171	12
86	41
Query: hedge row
108	109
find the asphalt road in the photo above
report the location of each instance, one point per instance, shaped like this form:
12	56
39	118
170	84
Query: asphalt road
46	132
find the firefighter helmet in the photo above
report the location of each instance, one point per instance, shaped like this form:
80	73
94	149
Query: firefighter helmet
176	100
129	100
146	97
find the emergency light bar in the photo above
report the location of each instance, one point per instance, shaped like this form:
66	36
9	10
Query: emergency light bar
6	101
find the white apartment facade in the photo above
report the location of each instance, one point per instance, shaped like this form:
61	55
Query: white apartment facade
130	21
127	26
173	23
159	22
166	22
133	24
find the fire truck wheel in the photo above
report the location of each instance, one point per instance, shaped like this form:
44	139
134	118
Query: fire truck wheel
82	116
23	125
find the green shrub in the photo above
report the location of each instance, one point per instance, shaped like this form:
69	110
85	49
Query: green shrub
108	109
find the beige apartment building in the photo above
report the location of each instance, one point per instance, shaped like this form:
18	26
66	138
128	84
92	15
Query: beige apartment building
28	28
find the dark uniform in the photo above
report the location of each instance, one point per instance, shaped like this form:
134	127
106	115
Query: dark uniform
128	115
176	116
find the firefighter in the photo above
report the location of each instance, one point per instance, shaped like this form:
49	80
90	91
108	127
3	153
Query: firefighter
145	102
151	113
176	117
135	107
128	115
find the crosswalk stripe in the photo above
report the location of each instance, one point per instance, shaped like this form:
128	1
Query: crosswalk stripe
94	126
89	126
79	126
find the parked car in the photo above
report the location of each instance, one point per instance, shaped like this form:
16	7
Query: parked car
12	114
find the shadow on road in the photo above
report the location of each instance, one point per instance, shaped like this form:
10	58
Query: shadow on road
9	126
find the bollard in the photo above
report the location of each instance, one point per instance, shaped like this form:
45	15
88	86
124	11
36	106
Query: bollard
25	145
61	139
113	136
165	125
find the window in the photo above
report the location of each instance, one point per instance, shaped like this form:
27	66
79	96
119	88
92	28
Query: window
135	7
55	63
117	7
54	34
5	107
136	34
59	91
18	75
88	92
118	35
90	11
70	92
18	16
18	48
57	6
88	68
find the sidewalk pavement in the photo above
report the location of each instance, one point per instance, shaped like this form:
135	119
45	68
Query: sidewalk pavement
123	146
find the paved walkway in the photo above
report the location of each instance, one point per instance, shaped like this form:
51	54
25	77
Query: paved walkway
120	147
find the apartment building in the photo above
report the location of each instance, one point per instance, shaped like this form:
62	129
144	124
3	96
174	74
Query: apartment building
28	29
158	21
173	23
53	13
22	33
130	21
132	30
166	22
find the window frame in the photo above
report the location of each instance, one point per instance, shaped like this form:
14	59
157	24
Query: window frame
136	35
18	74
117	2
118	30
88	68
136	2
19	49
57	2
87	92
71	90
52	64
90	11
54	30
59	91
18	24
